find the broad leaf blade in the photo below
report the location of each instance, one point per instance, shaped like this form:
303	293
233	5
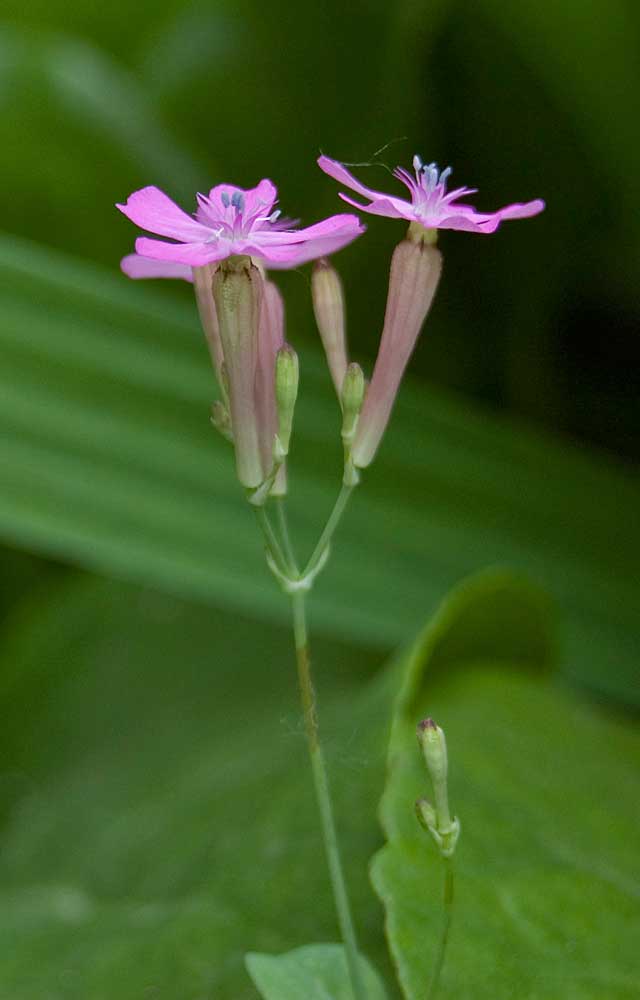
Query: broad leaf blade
314	972
547	891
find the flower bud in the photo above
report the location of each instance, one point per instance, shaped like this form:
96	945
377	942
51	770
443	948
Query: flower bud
444	829
286	394
414	276
353	386
328	307
237	292
434	748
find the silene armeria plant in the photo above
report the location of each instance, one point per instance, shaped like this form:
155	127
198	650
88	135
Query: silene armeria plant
228	249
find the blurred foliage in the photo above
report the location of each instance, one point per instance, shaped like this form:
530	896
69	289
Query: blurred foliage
158	819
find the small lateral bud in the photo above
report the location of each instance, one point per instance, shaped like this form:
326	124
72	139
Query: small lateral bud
426	814
328	307
287	374
352	397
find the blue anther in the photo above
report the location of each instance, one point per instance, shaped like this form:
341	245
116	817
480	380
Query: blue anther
445	175
237	200
224	198
417	164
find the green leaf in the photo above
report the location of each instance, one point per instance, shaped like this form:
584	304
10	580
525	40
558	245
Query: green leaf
315	972
546	790
109	461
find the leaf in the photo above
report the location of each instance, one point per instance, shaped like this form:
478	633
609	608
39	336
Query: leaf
546	789
315	972
109	461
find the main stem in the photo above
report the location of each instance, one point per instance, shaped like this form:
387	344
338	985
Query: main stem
447	911
323	797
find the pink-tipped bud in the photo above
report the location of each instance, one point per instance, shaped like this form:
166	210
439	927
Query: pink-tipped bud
415	272
328	307
237	292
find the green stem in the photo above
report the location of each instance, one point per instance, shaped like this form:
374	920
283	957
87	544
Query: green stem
271	539
447	912
323	797
284	534
330	527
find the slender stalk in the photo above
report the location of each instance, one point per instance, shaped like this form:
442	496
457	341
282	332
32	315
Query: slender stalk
284	534
323	797
447	912
330	527
271	539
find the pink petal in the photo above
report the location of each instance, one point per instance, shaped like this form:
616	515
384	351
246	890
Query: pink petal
347	225
192	254
522	211
151	209
393	208
257	201
294	254
342	175
135	266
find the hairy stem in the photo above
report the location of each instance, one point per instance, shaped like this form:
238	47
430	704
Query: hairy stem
447	912
323	797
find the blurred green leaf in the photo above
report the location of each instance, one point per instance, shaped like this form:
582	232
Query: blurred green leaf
157	812
109	461
315	972
546	790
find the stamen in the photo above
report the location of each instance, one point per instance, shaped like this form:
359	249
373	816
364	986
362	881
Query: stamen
224	198
237	201
444	176
430	172
274	215
417	164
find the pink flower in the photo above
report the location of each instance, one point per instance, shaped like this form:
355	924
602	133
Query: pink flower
228	222
430	205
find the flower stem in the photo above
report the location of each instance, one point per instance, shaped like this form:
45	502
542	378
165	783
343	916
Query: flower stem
447	912
323	797
271	539
330	527
284	534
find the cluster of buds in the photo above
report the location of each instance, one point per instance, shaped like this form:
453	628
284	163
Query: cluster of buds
227	249
437	819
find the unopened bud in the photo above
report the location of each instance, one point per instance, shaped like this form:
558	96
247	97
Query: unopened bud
328	307
444	829
352	397
434	748
286	393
